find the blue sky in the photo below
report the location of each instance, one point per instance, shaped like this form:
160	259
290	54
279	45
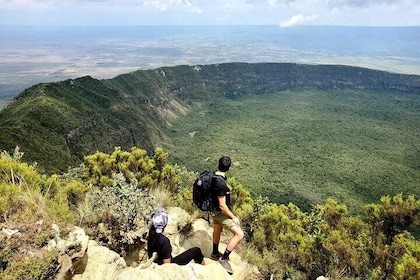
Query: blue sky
210	12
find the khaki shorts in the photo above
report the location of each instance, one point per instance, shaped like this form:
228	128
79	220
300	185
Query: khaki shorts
221	218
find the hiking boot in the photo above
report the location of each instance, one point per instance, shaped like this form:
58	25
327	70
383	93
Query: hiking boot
226	265
216	256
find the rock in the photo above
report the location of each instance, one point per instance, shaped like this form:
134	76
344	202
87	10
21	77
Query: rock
201	239
71	251
38	225
66	266
75	245
56	230
101	263
191	271
178	219
9	232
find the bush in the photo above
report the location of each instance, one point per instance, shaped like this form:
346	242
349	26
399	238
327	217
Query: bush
183	194
29	202
242	203
24	267
326	241
121	197
134	165
388	223
122	212
9	199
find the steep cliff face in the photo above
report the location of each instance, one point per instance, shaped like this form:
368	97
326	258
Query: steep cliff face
240	78
56	124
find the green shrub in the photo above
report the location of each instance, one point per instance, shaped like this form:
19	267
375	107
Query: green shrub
24	267
14	172
408	266
9	199
74	192
29	202
134	165
183	193
326	241
123	210
242	203
388	223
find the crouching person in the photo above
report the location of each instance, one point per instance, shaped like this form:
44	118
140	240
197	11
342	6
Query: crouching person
159	243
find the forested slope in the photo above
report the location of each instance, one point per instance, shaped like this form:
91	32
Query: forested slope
56	124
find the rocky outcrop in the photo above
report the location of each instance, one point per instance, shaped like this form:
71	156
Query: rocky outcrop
81	259
100	263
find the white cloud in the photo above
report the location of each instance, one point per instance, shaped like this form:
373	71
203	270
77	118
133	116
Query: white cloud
362	3
298	19
25	4
164	5
287	12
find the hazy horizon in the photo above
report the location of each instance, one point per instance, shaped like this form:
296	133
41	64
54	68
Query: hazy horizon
35	54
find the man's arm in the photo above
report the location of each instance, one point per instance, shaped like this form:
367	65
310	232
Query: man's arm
226	210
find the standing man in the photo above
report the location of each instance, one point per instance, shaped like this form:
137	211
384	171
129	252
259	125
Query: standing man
223	216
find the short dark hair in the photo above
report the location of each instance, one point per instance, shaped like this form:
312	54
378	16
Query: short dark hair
224	163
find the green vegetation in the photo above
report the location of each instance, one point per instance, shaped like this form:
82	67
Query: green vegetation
29	203
289	243
305	146
113	196
57	124
125	189
314	148
296	133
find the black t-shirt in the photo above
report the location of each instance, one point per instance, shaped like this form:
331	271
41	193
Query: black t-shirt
162	246
219	188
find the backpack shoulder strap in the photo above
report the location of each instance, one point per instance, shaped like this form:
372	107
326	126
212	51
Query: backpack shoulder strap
219	176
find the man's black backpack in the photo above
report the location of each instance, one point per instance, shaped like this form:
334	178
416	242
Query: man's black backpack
202	190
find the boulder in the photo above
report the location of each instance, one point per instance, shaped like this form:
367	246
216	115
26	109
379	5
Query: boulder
71	250
101	263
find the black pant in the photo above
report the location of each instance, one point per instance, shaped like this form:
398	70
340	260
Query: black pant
191	254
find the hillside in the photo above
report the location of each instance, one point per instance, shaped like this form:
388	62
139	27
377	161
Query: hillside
112	198
56	124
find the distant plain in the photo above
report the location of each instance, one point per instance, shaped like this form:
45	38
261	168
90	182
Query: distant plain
36	54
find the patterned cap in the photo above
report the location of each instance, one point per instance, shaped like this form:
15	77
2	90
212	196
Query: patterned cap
160	219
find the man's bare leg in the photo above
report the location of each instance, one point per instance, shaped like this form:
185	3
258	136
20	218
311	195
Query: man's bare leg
234	241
